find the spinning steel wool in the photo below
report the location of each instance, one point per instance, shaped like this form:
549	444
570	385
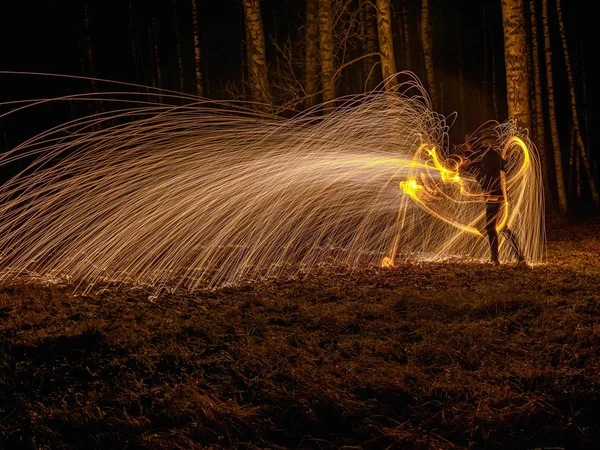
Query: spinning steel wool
207	194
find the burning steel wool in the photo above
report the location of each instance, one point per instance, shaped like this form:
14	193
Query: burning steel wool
209	194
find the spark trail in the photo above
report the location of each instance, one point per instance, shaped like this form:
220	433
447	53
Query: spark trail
209	194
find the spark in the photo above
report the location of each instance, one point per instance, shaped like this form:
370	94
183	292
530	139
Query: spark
208	193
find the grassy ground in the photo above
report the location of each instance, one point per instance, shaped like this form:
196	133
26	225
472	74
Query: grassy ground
423	356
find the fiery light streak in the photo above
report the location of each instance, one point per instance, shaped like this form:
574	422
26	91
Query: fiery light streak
208	194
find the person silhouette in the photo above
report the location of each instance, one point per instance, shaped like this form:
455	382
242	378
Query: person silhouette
481	158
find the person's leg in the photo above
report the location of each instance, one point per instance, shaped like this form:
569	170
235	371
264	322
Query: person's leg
491	215
512	240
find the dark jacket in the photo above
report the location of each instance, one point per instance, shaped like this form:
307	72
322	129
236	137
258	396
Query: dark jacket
485	167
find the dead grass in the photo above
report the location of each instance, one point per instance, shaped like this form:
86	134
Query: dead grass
419	357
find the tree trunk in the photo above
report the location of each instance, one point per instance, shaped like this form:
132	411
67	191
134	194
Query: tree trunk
406	36
573	179
94	106
311	74
151	97
515	47
576	127
428	52
441	90
486	69
494	85
197	58
178	44
461	81
584	87
134	38
369	37
577	171
386	44
558	167
156	52
91	61
257	61
540	134
326	47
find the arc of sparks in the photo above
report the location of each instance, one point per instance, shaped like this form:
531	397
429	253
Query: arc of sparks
208	194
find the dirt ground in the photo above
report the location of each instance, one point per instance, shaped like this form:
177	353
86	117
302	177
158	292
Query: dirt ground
423	356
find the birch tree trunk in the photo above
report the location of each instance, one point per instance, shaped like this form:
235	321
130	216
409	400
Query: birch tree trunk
558	167
197	54
326	48
428	52
258	77
369	38
515	56
576	127
311	75
540	135
386	44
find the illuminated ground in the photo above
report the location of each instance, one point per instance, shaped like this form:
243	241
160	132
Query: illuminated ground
419	357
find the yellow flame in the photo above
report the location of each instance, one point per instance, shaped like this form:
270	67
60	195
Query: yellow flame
387	263
446	174
451	175
411	187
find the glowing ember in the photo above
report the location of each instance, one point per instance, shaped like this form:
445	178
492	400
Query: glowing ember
387	263
410	187
208	194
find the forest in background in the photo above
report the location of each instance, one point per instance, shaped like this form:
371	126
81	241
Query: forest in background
296	53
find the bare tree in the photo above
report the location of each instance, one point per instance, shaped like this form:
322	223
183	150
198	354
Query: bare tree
386	43
486	59
134	40
515	47
178	44
406	35
558	167
538	103
90	70
311	37
368	18
258	77
156	55
573	96
328	70
426	40
461	79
